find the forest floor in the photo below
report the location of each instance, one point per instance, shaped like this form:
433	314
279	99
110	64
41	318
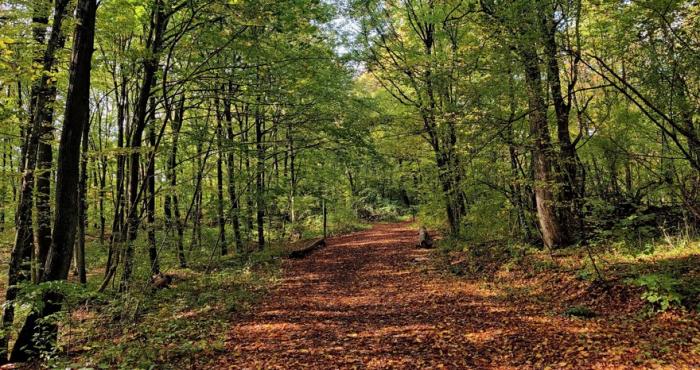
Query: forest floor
372	300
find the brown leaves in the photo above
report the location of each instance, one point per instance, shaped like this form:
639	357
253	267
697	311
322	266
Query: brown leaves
365	301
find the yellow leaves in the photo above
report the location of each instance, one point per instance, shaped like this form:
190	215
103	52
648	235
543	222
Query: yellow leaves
5	42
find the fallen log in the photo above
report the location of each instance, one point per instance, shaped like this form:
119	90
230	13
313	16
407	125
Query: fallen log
307	250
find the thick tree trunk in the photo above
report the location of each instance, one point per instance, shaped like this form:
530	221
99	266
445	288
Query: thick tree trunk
43	190
568	159
36	333
553	232
20	257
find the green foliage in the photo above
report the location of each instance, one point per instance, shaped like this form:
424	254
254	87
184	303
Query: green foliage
286	110
580	311
145	329
660	291
344	220
496	226
31	294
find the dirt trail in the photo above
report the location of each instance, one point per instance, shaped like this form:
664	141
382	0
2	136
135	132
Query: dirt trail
366	301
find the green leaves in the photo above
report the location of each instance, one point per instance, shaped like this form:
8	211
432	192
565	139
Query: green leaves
660	291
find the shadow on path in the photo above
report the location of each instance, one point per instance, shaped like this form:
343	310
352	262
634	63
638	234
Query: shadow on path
362	302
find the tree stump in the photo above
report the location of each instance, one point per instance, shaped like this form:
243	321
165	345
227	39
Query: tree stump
424	239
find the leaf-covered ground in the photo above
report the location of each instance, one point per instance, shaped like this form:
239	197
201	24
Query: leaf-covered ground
371	300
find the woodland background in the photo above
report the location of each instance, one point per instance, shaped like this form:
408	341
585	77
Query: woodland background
198	138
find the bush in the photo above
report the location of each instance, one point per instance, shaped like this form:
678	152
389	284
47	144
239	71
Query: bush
660	291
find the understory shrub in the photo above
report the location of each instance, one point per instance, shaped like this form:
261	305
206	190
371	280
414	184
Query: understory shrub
660	291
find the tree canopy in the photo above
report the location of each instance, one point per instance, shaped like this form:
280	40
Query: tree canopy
138	137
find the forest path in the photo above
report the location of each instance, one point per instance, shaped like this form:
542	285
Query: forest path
370	300
360	302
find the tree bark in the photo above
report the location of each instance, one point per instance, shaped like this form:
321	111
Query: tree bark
568	159
172	174
197	200
151	201
20	257
220	182
553	233
83	208
67	178
260	177
231	164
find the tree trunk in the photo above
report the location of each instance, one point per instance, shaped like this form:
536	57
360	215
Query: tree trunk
197	201
20	257
293	180
31	337
3	187
443	148
102	179
220	182
151	201
172	174
568	159
43	173
249	194
83	208
43	190
150	66
230	161
553	233
260	177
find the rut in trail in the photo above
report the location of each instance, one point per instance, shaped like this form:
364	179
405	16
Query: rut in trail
365	301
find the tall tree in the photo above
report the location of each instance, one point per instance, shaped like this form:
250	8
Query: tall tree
34	332
20	257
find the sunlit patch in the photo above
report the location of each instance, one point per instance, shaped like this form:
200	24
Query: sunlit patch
361	303
483	336
270	327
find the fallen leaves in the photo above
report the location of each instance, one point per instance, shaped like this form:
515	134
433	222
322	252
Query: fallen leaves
365	301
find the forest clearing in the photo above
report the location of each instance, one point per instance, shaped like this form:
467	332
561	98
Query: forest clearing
255	184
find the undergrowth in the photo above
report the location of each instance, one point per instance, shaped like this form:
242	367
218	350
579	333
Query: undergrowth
664	271
168	328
